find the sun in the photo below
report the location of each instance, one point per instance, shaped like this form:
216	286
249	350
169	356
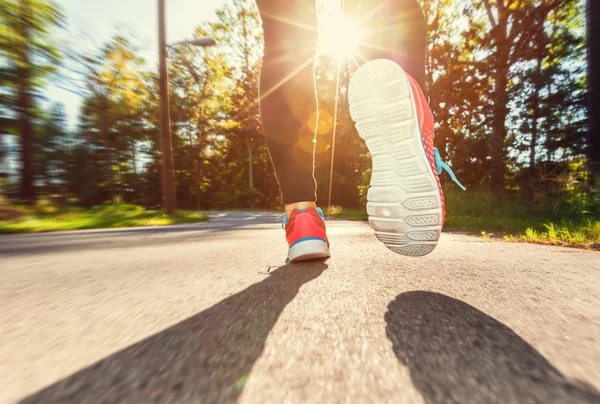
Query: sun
340	38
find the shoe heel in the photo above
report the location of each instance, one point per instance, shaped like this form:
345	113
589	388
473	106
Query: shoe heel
308	250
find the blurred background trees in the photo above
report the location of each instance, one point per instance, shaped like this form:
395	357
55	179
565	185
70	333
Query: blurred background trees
593	31
507	81
29	57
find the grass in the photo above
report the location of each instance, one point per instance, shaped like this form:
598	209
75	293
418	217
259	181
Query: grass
349	214
543	221
477	212
51	218
511	219
563	234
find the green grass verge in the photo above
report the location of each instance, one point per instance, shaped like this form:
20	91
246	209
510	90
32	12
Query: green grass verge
349	214
478	212
510	219
99	217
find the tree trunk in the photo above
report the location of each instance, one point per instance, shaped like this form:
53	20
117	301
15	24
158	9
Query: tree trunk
134	153
135	176
107	144
25	107
250	168
593	14
548	144
537	82
499	131
501	67
251	174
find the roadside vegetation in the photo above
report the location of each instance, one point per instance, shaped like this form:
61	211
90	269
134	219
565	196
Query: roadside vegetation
517	131
45	216
567	221
482	213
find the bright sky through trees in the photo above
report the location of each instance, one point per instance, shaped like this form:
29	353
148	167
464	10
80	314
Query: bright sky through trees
92	23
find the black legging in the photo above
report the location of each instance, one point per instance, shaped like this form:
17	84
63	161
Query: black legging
395	29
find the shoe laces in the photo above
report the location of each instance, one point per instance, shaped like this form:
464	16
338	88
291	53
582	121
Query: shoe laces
442	166
284	219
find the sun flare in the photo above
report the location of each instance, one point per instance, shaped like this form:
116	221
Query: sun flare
340	37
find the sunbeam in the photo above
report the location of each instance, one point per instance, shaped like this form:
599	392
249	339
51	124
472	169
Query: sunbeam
340	37
335	118
290	22
287	78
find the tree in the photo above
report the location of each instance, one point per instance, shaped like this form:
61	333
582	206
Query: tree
52	139
507	82
510	23
112	111
593	17
27	44
239	27
549	91
458	88
201	104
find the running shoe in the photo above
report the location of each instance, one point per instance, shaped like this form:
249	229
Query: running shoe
405	202
306	235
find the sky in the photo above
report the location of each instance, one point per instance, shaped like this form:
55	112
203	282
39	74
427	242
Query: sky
93	22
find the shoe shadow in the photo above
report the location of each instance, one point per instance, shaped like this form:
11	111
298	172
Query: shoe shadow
458	354
204	359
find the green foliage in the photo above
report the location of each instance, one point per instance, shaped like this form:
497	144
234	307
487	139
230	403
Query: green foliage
114	118
226	163
28	57
48	217
348	214
505	86
27	40
544	220
541	221
364	186
565	233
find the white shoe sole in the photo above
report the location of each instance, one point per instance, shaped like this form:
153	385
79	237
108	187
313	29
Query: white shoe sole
308	250
404	201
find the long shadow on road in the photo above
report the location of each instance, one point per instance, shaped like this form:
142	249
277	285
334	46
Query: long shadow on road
458	354
204	359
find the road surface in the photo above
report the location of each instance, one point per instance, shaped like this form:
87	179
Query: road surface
208	313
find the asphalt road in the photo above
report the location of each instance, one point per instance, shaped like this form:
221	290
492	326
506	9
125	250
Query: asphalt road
208	313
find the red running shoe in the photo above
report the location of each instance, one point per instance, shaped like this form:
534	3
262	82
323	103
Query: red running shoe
306	235
405	202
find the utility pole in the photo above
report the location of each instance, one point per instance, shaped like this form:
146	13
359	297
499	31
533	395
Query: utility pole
165	116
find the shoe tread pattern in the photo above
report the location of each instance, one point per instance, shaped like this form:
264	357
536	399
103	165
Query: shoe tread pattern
404	201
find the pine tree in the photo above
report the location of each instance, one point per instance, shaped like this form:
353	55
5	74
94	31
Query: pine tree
27	44
112	114
593	17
